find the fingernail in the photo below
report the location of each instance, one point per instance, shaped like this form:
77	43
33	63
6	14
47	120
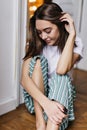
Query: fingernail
65	110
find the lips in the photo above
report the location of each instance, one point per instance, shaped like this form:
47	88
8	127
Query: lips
47	40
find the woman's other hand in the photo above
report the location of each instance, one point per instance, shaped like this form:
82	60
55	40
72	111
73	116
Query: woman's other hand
55	111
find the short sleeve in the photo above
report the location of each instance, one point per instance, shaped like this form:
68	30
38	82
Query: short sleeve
79	47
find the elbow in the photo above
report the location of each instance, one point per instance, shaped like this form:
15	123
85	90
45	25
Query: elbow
63	70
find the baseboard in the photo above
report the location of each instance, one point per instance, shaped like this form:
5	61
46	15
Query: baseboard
7	105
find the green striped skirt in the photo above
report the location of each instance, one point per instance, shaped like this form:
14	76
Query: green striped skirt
59	89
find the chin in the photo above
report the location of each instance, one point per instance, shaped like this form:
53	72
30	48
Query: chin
50	44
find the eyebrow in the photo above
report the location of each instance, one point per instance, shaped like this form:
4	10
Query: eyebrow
44	29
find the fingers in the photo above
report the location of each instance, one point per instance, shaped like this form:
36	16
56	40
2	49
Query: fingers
69	23
61	113
58	118
57	121
60	106
54	121
66	17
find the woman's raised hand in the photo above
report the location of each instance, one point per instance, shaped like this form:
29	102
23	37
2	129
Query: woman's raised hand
69	25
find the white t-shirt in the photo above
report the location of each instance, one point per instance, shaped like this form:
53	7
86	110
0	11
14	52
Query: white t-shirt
52	54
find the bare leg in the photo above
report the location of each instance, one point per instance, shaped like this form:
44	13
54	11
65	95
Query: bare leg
38	79
51	126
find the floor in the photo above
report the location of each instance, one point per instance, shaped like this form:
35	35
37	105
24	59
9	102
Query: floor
20	119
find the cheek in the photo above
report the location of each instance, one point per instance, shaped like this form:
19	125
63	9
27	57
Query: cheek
56	35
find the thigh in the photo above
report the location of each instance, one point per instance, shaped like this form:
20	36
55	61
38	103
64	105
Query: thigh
59	87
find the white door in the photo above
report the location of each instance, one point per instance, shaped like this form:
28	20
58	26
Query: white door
9	55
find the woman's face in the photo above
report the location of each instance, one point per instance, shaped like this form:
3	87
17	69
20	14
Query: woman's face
47	31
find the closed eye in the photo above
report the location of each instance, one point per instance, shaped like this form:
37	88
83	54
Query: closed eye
47	30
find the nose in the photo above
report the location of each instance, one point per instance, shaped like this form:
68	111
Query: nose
43	35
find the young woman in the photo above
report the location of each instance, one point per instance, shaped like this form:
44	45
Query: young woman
46	71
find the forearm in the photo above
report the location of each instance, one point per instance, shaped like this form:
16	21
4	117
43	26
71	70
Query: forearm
66	58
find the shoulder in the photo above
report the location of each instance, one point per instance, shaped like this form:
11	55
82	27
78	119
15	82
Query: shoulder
25	65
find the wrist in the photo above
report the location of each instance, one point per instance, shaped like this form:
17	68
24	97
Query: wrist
73	34
44	102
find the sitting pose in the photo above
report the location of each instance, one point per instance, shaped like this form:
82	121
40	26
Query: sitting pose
46	72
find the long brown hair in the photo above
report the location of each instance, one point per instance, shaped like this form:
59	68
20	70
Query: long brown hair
50	12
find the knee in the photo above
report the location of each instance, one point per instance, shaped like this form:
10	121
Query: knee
38	64
41	62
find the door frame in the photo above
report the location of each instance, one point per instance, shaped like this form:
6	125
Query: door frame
23	27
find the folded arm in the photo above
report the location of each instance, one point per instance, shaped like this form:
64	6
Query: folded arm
68	58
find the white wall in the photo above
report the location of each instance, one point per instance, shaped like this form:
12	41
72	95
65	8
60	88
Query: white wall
83	34
8	55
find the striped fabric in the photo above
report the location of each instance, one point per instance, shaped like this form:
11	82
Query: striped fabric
60	89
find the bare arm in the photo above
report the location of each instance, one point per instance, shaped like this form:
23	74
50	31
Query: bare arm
68	58
53	109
